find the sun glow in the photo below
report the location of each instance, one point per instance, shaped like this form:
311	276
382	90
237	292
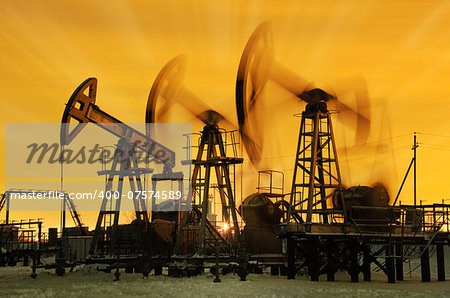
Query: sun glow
225	227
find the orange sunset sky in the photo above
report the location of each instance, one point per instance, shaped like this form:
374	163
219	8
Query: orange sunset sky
401	48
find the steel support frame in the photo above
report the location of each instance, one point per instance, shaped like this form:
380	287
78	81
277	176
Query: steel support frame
316	169
215	161
124	158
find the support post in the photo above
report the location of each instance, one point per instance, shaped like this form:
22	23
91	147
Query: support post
33	274
440	261
61	254
7	207
291	271
415	168
399	261
366	263
425	265
313	266
117	273
158	270
39	246
354	270
331	266
217	278
330	276
390	265
274	270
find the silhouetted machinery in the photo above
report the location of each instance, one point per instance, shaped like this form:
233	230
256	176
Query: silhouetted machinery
317	194
262	219
198	233
108	233
326	227
366	204
320	227
316	169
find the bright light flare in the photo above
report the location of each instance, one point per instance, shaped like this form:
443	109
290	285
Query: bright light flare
225	227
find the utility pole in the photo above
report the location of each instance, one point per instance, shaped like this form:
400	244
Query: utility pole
415	168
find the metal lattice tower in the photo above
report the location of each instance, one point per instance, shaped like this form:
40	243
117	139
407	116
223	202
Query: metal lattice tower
211	158
316	170
124	158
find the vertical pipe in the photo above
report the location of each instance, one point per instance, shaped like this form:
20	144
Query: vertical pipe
63	226
259	181
434	218
270	191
